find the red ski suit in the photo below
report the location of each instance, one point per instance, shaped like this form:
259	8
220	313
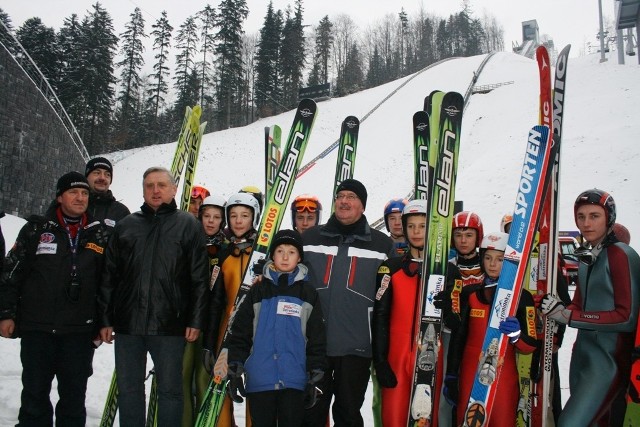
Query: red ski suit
394	313
468	339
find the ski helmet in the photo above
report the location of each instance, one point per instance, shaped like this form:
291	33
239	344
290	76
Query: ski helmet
392	206
506	220
468	219
306	202
622	233
244	199
216	201
596	197
255	192
414	207
495	240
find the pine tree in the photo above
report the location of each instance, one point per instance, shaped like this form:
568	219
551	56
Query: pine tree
207	18
158	87
40	43
376	71
443	43
131	64
70	91
6	20
232	14
267	71
292	55
324	44
187	44
98	47
352	80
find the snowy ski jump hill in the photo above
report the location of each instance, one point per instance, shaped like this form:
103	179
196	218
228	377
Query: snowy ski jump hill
599	140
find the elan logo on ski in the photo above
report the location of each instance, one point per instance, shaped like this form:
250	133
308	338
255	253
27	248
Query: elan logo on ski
451	110
351	124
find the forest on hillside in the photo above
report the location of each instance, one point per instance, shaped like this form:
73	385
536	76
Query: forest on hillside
97	71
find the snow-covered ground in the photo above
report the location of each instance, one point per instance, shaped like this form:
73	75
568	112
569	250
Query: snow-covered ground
599	150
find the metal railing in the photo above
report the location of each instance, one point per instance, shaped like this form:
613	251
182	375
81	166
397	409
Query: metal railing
490	87
31	70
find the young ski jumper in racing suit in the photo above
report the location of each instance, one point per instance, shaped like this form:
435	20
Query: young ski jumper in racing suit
467	233
467	339
243	216
395	311
604	309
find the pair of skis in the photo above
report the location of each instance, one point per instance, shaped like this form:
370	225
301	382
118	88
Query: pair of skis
436	148
185	158
533	181
535	372
535	208
275	207
187	151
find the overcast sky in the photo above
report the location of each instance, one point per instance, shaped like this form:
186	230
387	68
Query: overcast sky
566	21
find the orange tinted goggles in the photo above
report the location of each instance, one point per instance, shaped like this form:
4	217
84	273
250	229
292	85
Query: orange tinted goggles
306	205
198	192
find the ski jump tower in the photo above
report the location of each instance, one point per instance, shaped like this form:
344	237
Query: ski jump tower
38	142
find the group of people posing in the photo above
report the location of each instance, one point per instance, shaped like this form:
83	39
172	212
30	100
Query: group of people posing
334	305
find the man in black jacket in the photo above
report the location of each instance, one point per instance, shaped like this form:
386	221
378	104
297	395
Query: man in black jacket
153	297
47	294
343	257
102	205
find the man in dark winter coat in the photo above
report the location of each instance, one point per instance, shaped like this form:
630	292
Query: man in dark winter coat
343	257
153	297
47	297
102	205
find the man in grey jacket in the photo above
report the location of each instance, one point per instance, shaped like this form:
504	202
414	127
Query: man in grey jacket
343	257
153	297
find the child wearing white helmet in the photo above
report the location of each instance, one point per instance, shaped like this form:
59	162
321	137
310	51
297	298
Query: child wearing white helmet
242	214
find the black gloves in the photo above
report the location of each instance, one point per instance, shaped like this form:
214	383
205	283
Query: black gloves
442	300
235	384
311	390
258	267
386	377
450	389
208	360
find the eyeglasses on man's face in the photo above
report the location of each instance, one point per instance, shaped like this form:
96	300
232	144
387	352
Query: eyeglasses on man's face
350	197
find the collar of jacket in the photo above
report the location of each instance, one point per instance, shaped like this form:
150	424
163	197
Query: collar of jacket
101	198
164	209
359	230
300	273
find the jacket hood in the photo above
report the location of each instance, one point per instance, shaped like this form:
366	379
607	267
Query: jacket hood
301	272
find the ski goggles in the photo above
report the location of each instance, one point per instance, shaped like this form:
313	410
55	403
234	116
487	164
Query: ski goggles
198	192
308	205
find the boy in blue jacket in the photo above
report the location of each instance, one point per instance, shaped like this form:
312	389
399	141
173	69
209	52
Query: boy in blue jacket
278	339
